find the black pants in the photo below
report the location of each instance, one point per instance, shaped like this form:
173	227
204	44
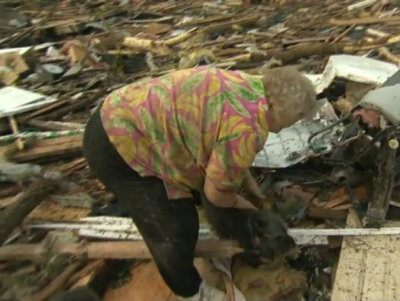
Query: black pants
169	227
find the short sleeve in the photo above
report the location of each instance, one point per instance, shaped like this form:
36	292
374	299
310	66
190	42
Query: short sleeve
230	158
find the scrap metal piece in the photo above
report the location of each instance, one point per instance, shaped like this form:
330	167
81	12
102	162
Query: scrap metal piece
383	183
290	145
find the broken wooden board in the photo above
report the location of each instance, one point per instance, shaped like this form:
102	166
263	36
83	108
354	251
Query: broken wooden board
50	149
68	168
368	268
86	275
112	250
123	229
26	201
51	211
7	201
72	24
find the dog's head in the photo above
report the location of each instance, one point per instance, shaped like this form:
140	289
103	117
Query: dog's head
269	234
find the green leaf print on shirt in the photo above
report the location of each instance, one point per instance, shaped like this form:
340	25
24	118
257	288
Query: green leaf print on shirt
123	123
191	133
171	172
194	81
114	99
229	137
257	86
162	95
224	158
243	92
166	80
213	109
236	104
157	161
151	128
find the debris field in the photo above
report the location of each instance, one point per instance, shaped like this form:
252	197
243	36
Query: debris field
333	180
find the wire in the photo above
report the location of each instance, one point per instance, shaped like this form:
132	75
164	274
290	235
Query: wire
340	120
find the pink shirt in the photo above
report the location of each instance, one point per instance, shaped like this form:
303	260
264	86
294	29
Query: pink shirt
190	123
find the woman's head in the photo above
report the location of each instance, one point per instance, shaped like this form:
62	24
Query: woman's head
291	97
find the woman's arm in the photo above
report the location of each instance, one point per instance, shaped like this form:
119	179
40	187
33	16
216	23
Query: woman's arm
225	198
251	187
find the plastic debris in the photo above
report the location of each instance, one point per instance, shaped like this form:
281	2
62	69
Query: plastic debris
353	68
385	100
14	100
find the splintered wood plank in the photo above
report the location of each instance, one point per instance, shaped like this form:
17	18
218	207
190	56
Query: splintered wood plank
86	275
70	167
375	271
368	269
50	211
50	149
395	261
4	202
349	264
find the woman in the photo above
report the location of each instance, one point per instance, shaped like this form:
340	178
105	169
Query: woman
159	142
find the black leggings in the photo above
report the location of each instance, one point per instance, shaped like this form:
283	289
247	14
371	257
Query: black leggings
169	227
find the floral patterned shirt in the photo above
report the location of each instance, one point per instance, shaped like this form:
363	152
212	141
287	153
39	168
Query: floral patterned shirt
190	123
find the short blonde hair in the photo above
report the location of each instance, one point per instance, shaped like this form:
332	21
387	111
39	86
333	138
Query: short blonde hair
291	90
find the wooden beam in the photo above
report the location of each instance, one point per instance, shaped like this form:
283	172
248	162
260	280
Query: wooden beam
112	250
13	215
49	149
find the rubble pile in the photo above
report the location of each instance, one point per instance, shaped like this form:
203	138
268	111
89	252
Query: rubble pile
59	227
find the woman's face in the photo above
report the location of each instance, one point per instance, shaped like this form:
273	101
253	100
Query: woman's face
282	115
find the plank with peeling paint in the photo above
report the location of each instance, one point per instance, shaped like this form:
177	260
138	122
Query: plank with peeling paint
368	268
